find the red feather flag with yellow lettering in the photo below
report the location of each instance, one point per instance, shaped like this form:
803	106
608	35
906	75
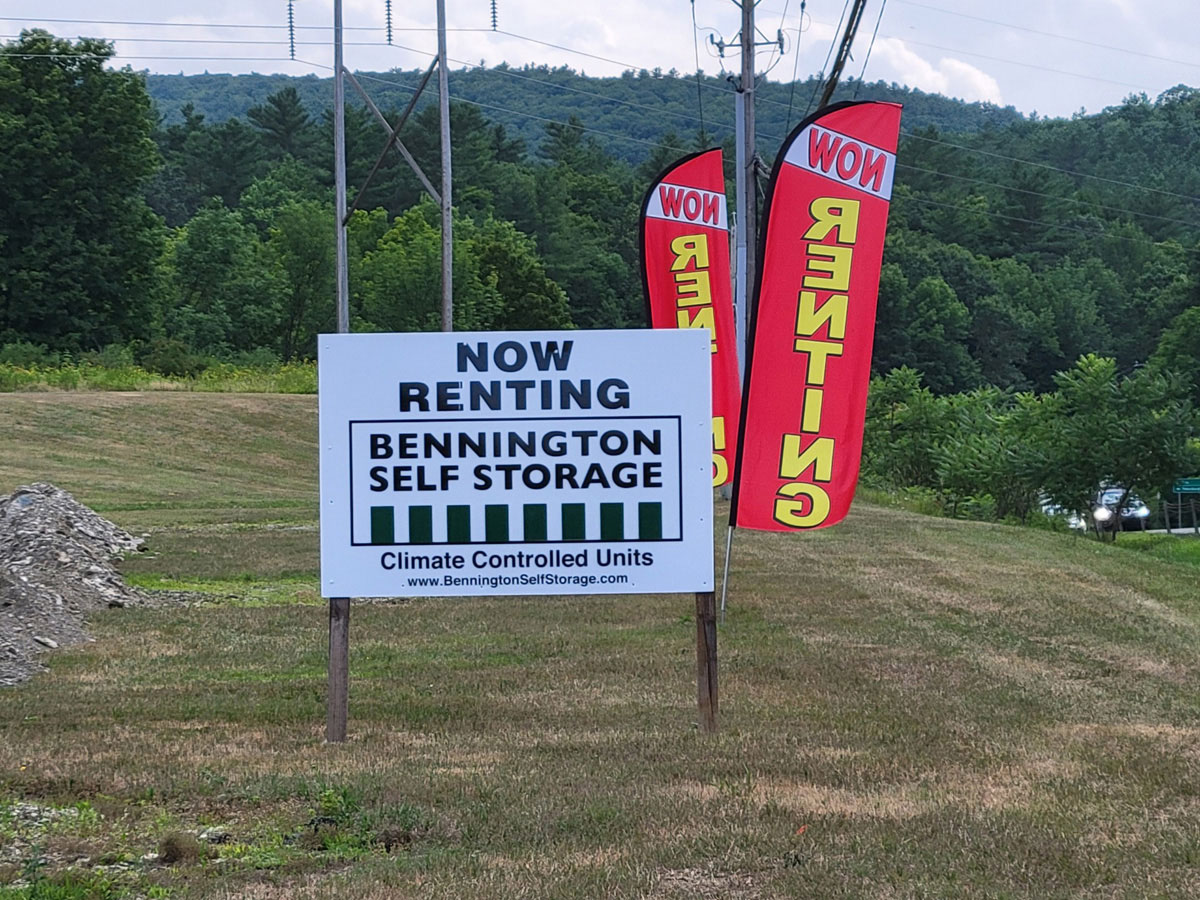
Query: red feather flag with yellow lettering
685	274
809	362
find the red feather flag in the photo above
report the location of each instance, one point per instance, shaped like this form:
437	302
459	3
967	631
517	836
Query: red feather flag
814	325
685	275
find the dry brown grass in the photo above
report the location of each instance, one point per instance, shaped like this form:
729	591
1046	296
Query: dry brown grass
911	707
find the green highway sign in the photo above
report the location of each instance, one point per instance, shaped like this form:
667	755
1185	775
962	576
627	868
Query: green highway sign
1187	486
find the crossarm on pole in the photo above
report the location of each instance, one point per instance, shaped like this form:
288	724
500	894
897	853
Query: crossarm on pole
393	139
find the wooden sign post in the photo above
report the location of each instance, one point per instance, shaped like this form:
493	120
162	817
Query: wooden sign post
706	660
338	700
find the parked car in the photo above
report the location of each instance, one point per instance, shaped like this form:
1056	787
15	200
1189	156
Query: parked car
1133	516
1073	520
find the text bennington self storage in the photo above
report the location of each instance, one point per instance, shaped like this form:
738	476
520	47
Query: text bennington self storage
515	463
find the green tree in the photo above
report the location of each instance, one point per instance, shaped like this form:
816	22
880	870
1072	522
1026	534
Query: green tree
1099	429
227	295
938	326
905	424
78	244
1178	351
284	123
990	453
499	283
302	254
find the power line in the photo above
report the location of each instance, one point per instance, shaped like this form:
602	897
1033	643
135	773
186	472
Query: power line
208	24
696	48
870	47
1073	200
627	65
505	72
109	58
1041	165
1049	225
787	123
511	74
1014	62
235	41
824	65
516	112
1051	34
584	53
1004	59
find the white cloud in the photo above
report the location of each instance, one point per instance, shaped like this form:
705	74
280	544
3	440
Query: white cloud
950	76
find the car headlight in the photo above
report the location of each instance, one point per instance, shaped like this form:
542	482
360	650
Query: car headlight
1142	512
1102	514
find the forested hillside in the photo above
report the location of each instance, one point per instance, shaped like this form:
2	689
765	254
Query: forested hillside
1016	245
624	112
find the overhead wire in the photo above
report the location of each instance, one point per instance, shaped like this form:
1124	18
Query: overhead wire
109	57
1073	200
1047	166
870	47
902	165
1015	62
1103	232
696	48
226	25
231	41
1002	216
479	103
787	122
816	87
382	29
625	64
778	47
1003	59
509	73
1049	225
589	55
1051	34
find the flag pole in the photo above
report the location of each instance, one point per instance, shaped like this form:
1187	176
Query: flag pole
725	576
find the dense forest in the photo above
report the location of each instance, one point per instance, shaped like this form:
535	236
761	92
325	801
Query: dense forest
625	114
196	214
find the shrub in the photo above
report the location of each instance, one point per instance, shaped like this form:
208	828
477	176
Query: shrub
168	356
28	355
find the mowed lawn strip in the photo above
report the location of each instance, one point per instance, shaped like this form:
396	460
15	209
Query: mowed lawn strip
910	707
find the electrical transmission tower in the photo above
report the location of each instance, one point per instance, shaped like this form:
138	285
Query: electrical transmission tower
339	607
442	197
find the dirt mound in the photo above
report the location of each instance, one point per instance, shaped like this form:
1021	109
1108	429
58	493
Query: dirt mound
56	567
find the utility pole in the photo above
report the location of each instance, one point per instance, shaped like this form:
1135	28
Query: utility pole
339	170
447	215
747	230
337	701
747	176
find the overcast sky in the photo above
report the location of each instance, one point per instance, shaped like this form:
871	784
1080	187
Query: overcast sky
1052	56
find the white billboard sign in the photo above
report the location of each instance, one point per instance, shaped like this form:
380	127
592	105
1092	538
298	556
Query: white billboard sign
572	462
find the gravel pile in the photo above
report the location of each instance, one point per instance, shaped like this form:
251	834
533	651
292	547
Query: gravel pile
56	567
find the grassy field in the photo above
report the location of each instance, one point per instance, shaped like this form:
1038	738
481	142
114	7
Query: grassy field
910	706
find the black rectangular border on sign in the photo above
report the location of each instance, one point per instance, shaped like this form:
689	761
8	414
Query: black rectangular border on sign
350	454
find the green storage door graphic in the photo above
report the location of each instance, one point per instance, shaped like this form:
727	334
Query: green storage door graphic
521	524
